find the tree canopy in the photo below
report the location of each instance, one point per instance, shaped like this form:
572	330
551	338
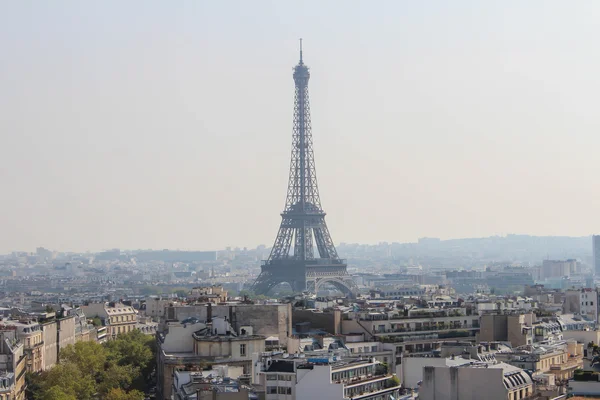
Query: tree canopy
115	370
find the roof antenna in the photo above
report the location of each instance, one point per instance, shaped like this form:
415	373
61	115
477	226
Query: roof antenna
301	51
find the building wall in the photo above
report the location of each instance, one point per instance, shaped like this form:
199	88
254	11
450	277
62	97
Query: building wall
94	310
558	268
20	386
572	305
266	320
66	332
596	253
441	383
330	322
502	328
155	307
515	330
493	328
411	369
316	384
583	336
50	334
229	348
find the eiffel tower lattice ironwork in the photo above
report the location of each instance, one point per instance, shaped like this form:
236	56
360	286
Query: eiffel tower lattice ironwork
303	229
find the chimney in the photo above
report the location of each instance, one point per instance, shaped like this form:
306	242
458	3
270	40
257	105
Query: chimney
209	313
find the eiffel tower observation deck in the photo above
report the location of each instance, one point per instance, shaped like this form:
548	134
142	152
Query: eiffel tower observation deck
303	254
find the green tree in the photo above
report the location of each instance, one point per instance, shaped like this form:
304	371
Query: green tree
120	394
88	370
117	377
89	357
57	393
70	379
133	348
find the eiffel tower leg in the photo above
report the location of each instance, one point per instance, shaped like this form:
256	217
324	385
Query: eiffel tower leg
271	277
343	284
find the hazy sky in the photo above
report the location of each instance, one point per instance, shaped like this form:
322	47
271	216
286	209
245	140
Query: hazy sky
167	124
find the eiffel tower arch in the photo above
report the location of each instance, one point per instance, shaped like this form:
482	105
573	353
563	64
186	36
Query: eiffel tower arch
303	254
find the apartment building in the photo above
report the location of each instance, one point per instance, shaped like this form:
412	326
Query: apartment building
118	318
326	376
31	335
193	345
213	294
266	319
514	328
582	302
413	330
559	359
155	307
475	381
208	387
43	335
410	371
12	365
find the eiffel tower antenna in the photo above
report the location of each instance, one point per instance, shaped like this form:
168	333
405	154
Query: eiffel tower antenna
303	254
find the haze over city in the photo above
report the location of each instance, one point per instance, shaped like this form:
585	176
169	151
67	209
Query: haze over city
162	127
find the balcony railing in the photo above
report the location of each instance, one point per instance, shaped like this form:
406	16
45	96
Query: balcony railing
566	365
427	329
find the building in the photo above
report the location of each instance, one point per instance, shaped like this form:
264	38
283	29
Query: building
43	335
57	332
513	328
12	365
399	292
558	268
582	302
212	294
324	376
193	345
596	253
413	330
559	359
31	336
118	318
265	319
410	371
84	331
195	385
155	307
475	381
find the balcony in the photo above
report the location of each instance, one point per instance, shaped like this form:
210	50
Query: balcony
570	364
426	329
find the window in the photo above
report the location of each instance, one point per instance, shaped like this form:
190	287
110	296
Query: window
271	389
284	390
591	303
242	350
271	377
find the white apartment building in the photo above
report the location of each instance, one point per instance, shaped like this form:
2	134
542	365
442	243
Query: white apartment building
583	302
475	381
325	377
413	331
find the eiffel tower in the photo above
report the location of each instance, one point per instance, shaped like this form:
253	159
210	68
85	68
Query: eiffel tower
293	258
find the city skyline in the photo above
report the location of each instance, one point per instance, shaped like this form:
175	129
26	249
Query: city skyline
175	134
